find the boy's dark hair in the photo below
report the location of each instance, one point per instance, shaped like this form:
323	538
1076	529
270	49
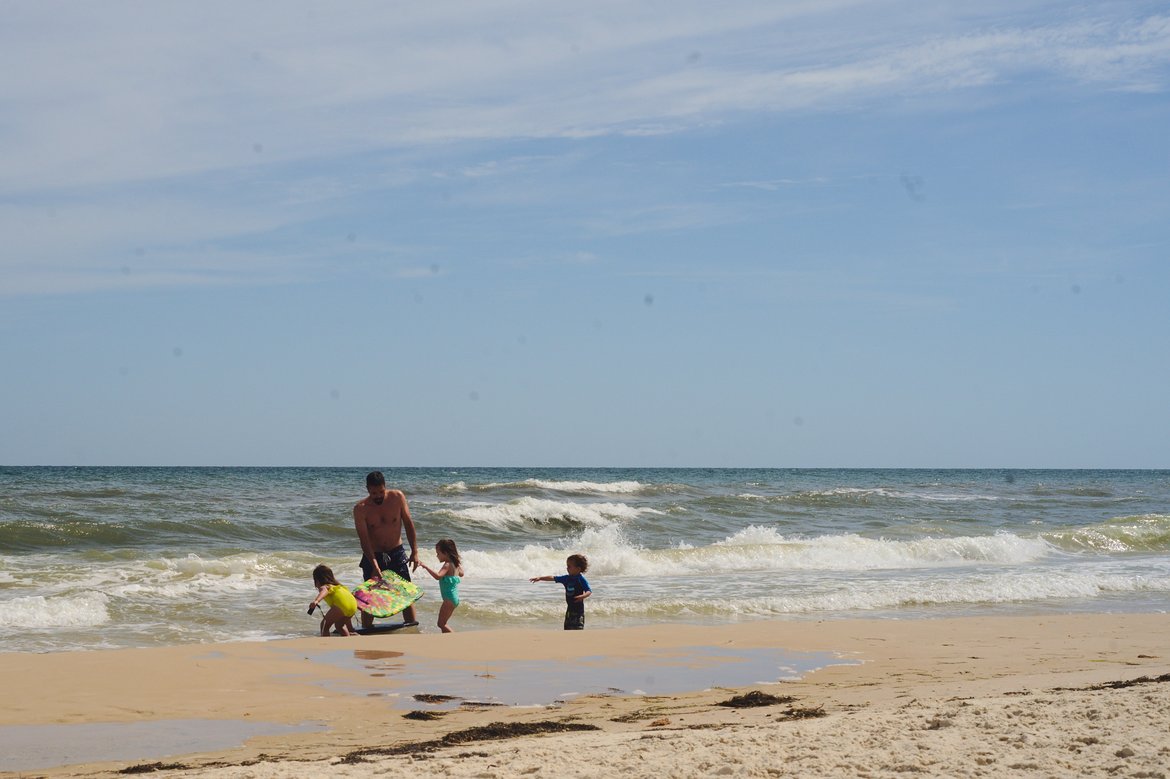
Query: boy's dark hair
447	547
375	479
323	575
580	561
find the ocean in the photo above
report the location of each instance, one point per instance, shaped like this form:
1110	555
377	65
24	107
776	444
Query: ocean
95	558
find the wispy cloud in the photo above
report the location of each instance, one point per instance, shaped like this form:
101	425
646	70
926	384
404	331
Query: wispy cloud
254	118
92	99
773	185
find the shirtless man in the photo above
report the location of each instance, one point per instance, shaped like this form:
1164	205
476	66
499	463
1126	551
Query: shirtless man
379	521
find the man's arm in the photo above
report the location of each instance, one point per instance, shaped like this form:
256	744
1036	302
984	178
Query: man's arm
408	526
363	532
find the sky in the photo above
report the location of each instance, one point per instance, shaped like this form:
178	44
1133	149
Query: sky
841	233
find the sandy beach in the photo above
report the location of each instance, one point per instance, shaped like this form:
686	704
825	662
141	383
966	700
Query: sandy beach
1024	695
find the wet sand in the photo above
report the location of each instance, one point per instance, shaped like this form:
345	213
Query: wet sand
1030	696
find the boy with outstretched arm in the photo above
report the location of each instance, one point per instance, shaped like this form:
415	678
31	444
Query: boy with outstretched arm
576	590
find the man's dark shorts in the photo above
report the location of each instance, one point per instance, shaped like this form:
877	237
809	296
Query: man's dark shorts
395	560
574	620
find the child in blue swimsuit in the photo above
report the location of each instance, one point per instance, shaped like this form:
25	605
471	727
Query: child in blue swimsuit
450	573
576	590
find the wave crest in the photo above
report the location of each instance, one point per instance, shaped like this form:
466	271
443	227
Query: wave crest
42	612
1144	533
758	549
623	487
528	510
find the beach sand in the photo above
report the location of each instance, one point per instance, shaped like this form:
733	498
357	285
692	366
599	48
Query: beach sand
1075	695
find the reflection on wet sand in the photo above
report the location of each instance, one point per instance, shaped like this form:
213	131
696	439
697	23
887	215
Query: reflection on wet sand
35	747
447	684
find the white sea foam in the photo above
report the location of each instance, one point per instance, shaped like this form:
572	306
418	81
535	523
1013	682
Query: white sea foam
669	602
622	487
759	549
945	498
204	585
607	549
1006	588
190	578
765	547
854	552
884	492
864	495
38	612
536	510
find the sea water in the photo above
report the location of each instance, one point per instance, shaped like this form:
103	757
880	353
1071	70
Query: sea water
127	557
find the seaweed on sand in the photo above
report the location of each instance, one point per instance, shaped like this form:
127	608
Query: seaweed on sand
146	768
1116	685
426	697
755	698
807	713
492	732
424	715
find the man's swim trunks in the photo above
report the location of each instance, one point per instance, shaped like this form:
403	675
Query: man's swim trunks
395	560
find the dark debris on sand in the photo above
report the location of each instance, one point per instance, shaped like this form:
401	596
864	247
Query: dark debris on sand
755	698
149	768
1116	685
809	713
492	732
424	715
426	697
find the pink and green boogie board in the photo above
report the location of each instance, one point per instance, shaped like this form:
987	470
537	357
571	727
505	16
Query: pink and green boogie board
387	597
